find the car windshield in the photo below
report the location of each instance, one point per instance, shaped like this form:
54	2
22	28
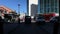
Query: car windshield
40	17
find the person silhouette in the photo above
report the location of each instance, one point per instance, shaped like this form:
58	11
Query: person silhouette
19	20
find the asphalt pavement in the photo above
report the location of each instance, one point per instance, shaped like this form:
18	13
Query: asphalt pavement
32	28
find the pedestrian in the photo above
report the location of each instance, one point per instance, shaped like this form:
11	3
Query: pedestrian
19	20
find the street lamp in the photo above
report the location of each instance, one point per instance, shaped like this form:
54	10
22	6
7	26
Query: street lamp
19	9
19	13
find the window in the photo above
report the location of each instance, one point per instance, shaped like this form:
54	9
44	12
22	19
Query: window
1	11
56	10
5	11
52	9
41	10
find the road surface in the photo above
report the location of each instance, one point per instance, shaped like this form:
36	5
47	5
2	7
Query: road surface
32	28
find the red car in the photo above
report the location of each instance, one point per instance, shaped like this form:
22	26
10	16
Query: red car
48	17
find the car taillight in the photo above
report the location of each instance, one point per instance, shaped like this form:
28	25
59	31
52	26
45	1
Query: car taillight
57	14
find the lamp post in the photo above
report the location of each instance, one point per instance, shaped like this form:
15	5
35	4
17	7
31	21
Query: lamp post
19	13
19	9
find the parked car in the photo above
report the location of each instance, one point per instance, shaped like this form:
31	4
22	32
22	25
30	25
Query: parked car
54	19
2	20
51	17
40	19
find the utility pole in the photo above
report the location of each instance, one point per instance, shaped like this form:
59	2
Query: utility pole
19	9
19	13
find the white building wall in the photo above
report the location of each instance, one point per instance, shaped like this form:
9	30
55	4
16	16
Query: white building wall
32	2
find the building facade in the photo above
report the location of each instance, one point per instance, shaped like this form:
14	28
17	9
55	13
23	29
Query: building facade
34	9
4	10
29	3
48	6
7	12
